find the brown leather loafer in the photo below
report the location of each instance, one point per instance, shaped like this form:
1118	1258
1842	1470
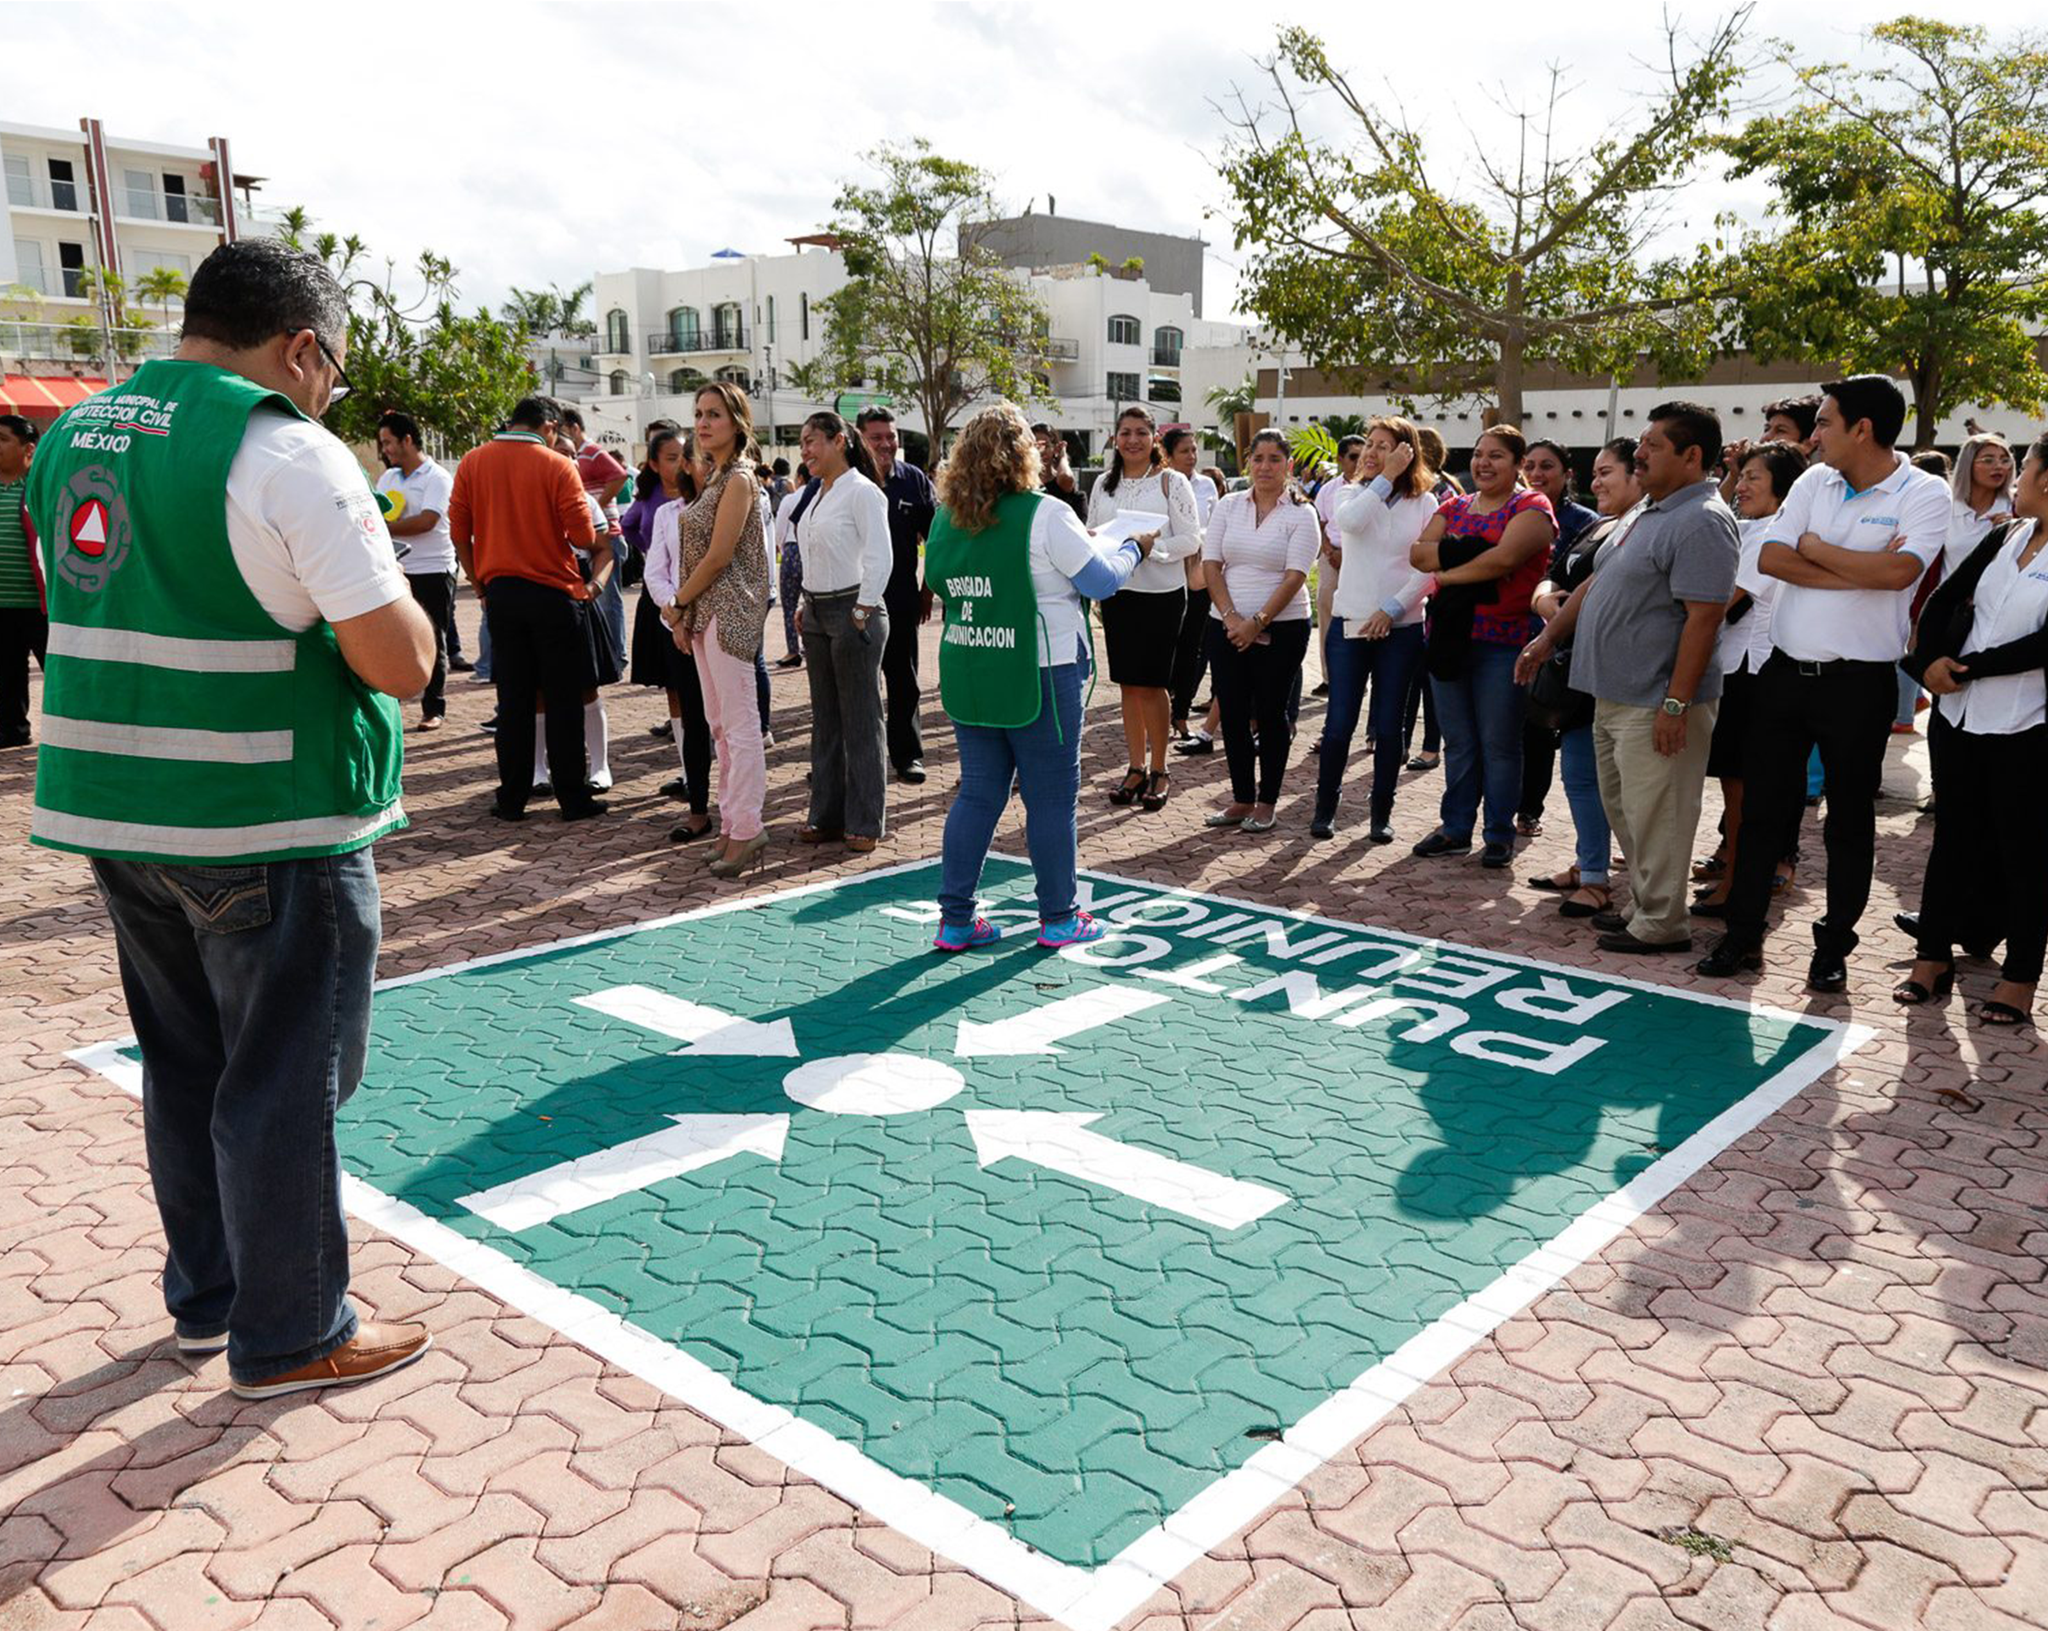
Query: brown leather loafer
375	1350
861	843
808	834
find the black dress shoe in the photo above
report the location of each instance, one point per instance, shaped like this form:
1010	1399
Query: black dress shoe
1382	832
1731	955
1609	921
1828	973
912	772
1496	856
677	787
1709	908
1442	843
666	729
1908	922
584	809
506	812
1622	940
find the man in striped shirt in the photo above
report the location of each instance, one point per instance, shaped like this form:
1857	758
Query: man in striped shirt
23	627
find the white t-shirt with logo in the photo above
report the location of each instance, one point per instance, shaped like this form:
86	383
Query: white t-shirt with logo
427	488
304	526
1853	625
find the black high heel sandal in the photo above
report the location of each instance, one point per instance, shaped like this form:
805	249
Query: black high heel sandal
1912	994
2004	1015
1158	788
1130	787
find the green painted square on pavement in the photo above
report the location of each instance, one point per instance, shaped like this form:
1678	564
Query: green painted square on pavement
1234	1159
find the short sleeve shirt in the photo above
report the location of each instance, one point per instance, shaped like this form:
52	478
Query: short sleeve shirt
1680	548
1503	620
427	488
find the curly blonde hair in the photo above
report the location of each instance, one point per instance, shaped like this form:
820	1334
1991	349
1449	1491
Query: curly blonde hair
994	454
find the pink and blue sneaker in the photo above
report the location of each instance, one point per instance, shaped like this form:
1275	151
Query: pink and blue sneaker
1076	929
966	936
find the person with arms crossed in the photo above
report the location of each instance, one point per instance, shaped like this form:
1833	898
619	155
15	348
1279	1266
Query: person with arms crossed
228	628
1847	547
911	505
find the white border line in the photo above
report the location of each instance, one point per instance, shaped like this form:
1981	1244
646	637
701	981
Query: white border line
1082	1599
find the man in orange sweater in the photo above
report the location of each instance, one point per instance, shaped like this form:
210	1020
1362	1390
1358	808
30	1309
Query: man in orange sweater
517	517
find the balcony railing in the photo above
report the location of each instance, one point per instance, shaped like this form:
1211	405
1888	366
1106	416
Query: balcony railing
82	342
1164	356
148	204
690	342
37	193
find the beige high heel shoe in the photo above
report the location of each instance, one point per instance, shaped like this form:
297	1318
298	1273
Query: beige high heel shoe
751	853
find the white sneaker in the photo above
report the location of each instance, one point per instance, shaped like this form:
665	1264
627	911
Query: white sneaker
203	1345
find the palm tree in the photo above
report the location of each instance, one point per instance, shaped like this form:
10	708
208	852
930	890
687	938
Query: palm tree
1226	402
159	286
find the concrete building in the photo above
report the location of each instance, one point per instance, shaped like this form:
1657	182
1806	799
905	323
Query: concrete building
1033	242
82	200
1114	339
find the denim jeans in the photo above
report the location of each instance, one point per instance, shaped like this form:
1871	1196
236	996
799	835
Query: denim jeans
1387	664
611	599
249	987
1580	773
1044	757
1481	714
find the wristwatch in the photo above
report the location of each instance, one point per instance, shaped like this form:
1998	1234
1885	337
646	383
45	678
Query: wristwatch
1675	708
860	616
1259	617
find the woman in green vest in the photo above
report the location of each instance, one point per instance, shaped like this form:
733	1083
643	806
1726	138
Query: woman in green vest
1011	567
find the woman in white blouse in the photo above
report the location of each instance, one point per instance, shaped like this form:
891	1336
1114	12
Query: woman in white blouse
1982	649
1257	552
1141	621
841	527
1375	617
1982	484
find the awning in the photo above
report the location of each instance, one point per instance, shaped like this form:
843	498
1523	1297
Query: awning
44	398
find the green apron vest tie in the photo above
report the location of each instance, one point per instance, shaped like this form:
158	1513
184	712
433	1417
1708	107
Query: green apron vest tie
988	651
181	723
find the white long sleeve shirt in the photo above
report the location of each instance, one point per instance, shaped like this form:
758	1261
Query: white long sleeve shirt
664	553
843	540
1376	530
1165	494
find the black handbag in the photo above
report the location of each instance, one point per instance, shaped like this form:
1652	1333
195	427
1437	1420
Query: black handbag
1552	704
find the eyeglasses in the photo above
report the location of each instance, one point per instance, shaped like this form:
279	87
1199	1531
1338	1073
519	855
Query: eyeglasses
342	384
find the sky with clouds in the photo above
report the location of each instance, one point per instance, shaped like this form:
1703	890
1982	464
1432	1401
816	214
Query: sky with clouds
540	143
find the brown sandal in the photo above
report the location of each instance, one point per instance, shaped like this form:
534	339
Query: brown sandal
860	843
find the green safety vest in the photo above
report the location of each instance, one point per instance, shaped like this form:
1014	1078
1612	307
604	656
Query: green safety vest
988	652
181	723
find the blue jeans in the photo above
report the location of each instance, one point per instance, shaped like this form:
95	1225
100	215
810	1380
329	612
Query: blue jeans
611	600
1581	777
249	987
1481	714
1388	664
483	650
1044	757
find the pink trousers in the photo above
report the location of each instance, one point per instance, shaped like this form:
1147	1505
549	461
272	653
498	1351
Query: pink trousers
735	716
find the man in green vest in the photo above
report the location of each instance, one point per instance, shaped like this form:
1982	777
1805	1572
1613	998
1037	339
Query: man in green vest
228	628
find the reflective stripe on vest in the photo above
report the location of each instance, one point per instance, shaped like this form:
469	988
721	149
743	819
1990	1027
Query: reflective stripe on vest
171	651
100	837
169	741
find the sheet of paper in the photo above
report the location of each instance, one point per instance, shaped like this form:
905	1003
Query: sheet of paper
1129	525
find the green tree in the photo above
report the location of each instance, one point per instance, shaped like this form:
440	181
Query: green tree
1912	197
159	286
927	315
1358	254
553	310
456	373
1226	402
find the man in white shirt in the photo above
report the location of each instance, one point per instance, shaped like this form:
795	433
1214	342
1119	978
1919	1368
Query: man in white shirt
429	562
1847	547
1328	496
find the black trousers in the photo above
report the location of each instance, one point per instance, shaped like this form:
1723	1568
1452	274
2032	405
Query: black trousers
435	591
1987	875
899	672
24	632
1421	699
1539	768
449	628
1253	691
1845	709
695	725
538	646
1190	658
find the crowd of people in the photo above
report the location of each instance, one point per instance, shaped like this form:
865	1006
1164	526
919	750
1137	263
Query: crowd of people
229	617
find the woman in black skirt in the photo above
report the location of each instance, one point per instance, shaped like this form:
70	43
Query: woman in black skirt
1141	621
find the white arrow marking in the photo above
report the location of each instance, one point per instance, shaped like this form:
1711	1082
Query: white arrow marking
695	1141
1038	1030
707	1030
1061	1140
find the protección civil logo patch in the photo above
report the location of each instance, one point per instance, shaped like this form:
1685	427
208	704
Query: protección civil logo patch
97	533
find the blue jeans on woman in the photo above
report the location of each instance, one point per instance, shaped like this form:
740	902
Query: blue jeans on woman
1388	664
1581	776
249	987
1481	714
1044	760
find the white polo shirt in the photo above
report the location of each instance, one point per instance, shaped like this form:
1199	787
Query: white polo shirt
427	488
1853	625
2010	605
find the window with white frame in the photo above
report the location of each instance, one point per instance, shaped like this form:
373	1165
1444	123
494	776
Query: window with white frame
1125	331
29	266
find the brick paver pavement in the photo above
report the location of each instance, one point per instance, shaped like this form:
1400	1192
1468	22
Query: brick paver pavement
1806	1390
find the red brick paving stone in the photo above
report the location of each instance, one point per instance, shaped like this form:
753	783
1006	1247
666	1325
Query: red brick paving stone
549	1482
178	1594
425	1561
1362	1578
343	1586
533	1598
1858	1248
1589	1596
82	1582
